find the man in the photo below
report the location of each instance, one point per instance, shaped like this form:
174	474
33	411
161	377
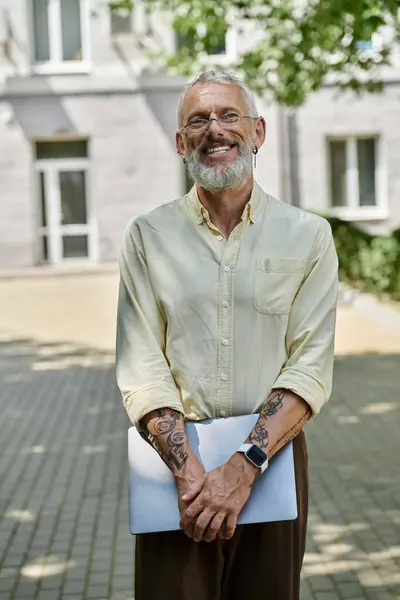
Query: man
227	306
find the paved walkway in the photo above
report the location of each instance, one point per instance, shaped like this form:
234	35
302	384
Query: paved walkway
63	493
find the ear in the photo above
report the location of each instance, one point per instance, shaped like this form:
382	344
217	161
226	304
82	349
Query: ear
259	132
180	144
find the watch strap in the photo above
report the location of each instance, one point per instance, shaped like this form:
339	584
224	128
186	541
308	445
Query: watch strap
245	447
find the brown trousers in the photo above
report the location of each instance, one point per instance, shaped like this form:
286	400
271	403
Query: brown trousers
261	561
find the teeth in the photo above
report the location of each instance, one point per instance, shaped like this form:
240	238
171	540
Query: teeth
219	150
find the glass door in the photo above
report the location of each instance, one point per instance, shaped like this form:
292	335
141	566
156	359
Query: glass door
73	214
67	229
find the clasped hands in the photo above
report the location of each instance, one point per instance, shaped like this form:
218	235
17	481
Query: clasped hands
210	503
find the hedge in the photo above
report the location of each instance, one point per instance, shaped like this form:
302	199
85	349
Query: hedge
368	262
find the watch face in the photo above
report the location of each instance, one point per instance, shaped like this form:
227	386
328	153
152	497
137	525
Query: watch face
257	456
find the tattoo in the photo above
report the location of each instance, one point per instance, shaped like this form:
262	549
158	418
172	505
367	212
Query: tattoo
165	424
259	435
177	455
272	406
177	438
152	440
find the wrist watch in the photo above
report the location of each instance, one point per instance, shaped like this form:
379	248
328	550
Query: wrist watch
255	455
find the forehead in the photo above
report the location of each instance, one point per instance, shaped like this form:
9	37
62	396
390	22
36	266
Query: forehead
212	97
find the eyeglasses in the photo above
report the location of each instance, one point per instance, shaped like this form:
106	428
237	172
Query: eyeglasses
226	121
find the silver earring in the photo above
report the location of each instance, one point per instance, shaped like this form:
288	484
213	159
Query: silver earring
255	150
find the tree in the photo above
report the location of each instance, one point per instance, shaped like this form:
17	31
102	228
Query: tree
298	44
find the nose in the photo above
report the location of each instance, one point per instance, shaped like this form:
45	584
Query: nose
214	125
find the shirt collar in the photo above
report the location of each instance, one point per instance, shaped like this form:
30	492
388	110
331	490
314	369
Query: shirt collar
251	210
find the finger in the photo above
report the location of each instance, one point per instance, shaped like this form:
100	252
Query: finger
194	490
188	531
191	513
201	523
222	531
230	526
214	527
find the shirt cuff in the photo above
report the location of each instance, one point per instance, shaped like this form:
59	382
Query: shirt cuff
140	403
305	385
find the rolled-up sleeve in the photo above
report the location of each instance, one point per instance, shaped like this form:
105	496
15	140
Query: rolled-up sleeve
143	373
311	327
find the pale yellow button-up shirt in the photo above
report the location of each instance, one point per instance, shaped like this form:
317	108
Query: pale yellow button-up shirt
208	326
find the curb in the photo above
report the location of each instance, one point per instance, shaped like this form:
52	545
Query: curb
55	272
377	310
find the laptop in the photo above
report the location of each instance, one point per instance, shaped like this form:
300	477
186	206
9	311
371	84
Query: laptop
153	499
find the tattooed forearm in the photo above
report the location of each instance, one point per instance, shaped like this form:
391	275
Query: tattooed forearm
259	435
281	419
164	429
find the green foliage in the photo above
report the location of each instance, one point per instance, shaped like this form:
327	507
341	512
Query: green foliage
121	6
370	262
299	45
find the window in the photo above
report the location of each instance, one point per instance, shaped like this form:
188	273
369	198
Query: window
65	225
121	22
356	177
60	31
220	48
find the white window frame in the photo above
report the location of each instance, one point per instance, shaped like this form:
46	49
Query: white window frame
56	65
353	211
54	229
231	55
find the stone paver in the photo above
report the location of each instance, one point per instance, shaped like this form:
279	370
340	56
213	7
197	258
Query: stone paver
63	485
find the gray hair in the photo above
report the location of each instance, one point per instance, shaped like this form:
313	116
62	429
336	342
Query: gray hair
220	77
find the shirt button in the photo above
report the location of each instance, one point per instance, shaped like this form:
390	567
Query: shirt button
219	238
225	304
222	413
225	341
226	269
224	377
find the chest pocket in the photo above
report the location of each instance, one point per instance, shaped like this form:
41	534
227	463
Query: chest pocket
277	281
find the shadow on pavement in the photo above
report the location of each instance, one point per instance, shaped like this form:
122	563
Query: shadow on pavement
353	545
63	489
63	485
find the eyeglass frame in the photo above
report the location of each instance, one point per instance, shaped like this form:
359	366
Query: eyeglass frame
217	119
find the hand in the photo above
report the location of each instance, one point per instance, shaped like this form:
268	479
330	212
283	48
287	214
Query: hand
190	481
213	510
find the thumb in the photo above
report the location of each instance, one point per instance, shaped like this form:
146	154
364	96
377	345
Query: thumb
194	489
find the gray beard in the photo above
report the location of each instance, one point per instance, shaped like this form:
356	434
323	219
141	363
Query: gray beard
217	178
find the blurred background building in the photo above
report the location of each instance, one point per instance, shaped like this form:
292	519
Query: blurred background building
87	134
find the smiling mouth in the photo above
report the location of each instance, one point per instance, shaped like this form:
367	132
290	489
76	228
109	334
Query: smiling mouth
218	150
